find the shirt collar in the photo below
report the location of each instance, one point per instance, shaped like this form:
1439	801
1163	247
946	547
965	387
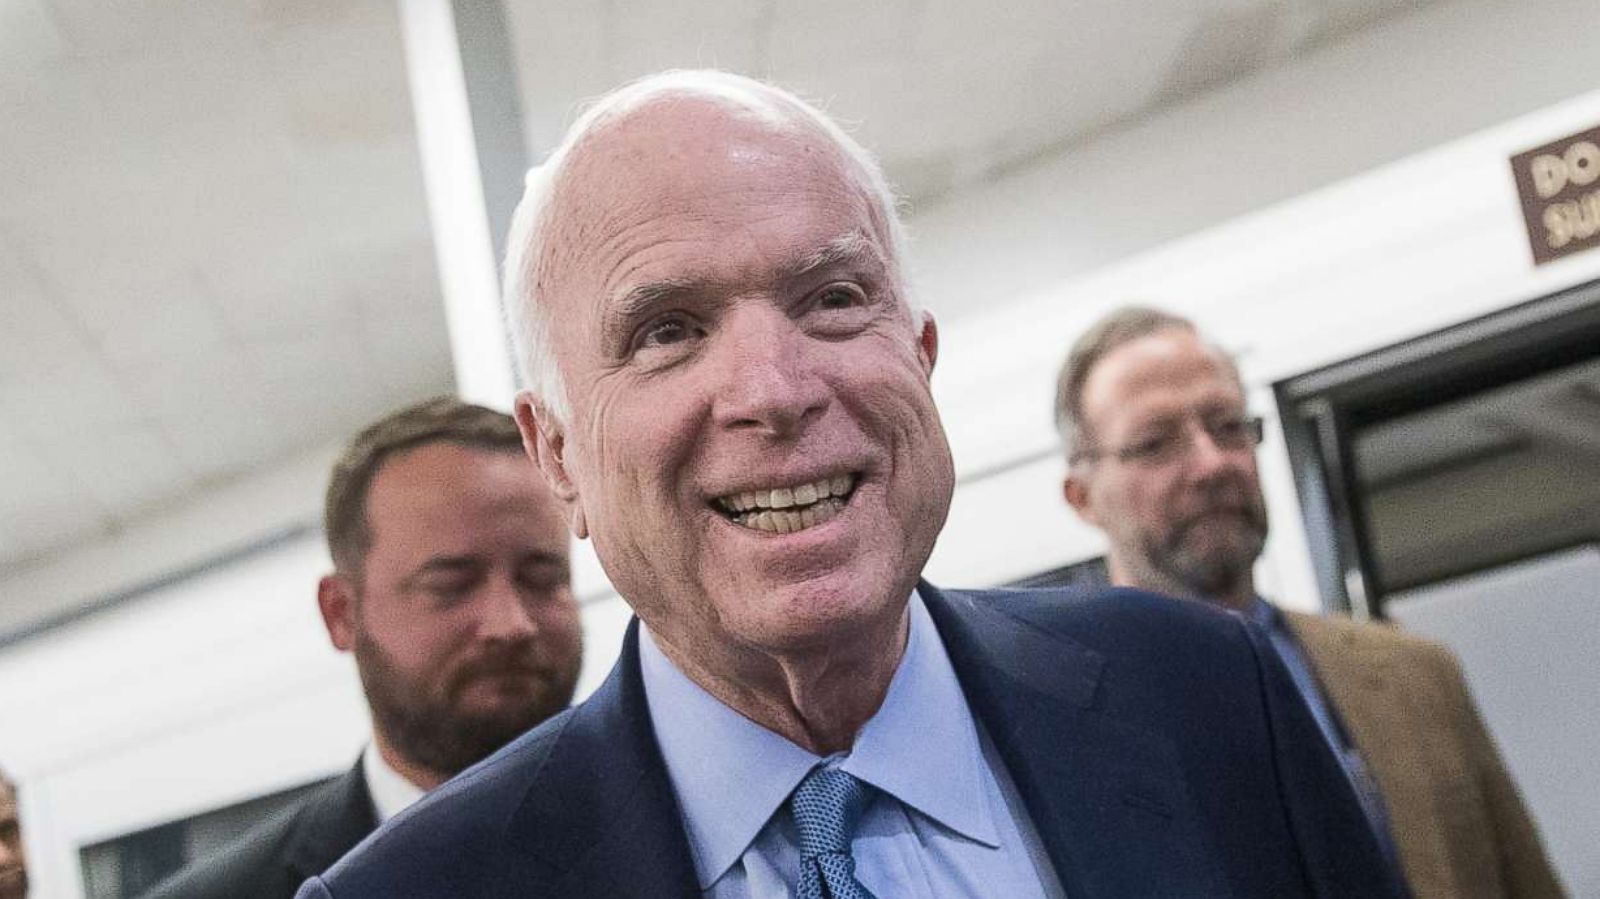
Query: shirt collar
731	774
389	789
922	745
1263	613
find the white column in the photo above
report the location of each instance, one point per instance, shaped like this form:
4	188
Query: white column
468	123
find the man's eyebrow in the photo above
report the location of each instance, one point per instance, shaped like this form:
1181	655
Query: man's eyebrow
644	296
541	557
639	300
845	249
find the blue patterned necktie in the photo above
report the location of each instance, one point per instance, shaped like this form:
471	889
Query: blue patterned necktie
826	807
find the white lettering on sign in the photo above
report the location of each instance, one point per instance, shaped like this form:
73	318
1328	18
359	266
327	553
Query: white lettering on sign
1572	220
1579	165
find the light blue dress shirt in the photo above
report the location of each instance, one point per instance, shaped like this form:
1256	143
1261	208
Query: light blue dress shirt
947	820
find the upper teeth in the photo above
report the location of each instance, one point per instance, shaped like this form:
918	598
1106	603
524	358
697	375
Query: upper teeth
784	497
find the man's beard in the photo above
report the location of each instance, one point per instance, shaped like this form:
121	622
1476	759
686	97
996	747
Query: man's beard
1210	554
425	723
14	884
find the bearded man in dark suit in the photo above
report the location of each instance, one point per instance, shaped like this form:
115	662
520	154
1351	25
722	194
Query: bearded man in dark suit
451	588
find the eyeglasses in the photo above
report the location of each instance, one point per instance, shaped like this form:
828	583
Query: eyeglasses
1168	445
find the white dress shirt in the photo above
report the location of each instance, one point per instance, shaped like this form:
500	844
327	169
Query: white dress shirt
389	789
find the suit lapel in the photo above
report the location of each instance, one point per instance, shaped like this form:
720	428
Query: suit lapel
1357	677
1104	796
332	823
601	819
1418	774
1343	662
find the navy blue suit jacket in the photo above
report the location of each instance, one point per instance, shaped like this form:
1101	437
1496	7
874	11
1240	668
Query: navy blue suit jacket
1159	746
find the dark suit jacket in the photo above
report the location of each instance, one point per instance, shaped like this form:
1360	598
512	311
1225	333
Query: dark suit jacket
274	858
1458	821
1159	747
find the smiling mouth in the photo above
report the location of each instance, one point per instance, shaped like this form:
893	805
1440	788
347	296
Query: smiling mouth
784	510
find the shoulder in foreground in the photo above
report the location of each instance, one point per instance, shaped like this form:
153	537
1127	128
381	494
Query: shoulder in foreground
1117	620
1106	606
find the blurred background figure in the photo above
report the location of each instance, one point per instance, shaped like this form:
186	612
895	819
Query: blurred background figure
13	868
451	587
1162	458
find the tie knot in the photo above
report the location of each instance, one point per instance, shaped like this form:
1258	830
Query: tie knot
827	805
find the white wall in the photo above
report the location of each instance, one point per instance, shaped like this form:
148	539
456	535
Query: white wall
223	686
1525	637
174	703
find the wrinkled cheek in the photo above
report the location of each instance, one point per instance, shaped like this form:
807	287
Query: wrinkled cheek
923	441
922	486
643	541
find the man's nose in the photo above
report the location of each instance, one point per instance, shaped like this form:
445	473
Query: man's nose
1205	455
503	613
770	384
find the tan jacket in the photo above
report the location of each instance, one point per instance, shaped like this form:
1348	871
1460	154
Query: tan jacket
1461	827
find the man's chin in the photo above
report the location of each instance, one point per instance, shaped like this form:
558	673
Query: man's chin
1219	543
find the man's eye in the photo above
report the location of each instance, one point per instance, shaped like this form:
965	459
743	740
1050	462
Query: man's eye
668	331
1151	447
544	577
840	296
1230	431
448	590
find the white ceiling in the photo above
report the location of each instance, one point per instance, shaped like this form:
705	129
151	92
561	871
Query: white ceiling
213	242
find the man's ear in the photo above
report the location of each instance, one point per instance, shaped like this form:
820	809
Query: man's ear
544	437
336	599
1075	489
928	343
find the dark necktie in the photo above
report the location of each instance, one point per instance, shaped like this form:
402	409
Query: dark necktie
826	807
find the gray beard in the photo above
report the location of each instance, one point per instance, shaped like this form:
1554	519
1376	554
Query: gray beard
1212	572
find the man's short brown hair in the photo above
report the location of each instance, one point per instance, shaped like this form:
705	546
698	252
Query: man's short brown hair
1121	326
344	515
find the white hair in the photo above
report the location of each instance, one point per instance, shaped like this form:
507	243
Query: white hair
527	242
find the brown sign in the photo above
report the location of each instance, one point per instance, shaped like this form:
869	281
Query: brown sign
1560	188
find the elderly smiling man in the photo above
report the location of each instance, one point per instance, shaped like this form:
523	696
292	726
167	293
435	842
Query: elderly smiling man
729	392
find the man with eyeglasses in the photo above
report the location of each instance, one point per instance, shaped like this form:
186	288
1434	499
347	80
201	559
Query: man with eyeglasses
1161	458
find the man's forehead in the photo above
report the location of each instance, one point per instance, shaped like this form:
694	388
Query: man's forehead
1174	365
693	158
